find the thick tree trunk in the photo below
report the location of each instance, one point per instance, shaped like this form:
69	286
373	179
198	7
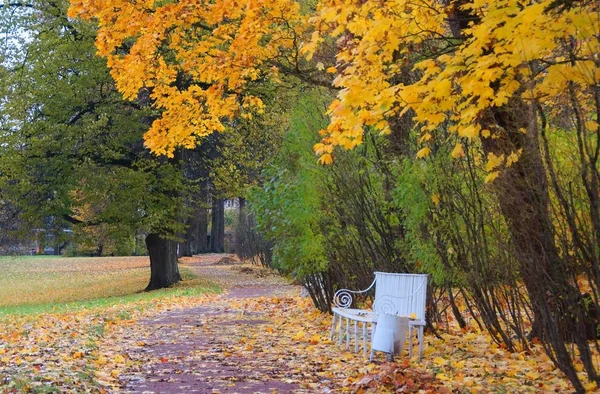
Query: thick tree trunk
164	270
524	199
217	233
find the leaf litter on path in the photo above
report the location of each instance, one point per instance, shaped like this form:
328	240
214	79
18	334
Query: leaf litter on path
259	337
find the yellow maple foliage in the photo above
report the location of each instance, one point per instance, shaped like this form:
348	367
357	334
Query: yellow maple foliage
193	58
517	49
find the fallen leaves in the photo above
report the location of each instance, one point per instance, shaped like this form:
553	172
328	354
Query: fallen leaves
277	341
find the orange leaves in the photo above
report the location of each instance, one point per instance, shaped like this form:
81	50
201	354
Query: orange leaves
218	47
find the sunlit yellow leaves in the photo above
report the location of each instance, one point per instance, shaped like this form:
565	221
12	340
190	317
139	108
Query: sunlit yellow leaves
226	53
77	355
591	126
426	137
326	159
513	157
424	152
299	336
458	151
469	131
443	89
532	375
494	161
491	176
460	86
119	359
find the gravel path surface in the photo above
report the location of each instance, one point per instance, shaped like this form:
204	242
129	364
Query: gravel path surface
188	350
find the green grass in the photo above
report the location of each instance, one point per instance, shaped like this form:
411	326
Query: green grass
40	284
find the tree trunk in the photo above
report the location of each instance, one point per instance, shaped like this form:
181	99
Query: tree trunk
241	231
217	232
202	230
164	270
524	200
189	246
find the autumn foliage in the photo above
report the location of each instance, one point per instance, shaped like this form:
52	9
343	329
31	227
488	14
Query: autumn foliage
498	100
196	59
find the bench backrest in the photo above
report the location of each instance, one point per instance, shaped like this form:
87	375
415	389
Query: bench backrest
401	294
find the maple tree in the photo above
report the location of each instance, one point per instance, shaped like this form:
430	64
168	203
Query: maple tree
72	154
495	74
194	58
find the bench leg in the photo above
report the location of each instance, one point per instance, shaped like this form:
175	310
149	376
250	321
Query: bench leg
410	341
364	327
420	336
341	332
355	336
333	321
347	333
373	326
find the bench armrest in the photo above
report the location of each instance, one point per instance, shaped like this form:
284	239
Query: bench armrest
344	298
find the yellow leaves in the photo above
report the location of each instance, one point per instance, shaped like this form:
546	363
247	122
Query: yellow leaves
435	199
491	176
532	375
426	137
513	157
226	53
299	336
424	152
77	355
591	126
459	364
494	161
458	151
470	131
440	362
119	359
443	88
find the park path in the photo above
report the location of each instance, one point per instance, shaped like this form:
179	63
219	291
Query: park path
197	350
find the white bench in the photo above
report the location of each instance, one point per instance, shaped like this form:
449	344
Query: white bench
399	294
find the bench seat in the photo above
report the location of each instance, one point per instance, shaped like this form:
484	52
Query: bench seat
395	293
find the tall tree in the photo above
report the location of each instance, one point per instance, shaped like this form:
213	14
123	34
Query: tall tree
72	150
487	72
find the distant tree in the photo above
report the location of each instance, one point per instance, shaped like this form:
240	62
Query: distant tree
72	150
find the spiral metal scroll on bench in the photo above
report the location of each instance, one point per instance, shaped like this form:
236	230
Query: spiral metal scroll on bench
343	298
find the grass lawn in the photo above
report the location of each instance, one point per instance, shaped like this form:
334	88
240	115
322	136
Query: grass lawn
36	284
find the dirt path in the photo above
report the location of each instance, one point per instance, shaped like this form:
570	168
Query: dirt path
197	350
